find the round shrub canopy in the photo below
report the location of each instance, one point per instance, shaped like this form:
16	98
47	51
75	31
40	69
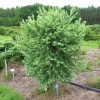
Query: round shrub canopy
51	45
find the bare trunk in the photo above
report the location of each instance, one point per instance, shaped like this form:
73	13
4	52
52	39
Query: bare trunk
6	65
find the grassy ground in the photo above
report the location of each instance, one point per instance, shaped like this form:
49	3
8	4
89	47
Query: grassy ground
90	44
7	93
4	37
86	44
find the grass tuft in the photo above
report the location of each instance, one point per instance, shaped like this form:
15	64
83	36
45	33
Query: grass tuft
7	93
94	82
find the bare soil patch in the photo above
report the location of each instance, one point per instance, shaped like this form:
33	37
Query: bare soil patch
25	85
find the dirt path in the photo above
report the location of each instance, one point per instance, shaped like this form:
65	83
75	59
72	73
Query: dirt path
25	84
22	83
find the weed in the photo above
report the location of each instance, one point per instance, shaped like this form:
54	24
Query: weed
39	91
98	61
89	66
50	94
94	82
6	77
83	52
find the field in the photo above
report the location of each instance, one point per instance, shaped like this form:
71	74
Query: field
90	44
29	88
4	37
26	85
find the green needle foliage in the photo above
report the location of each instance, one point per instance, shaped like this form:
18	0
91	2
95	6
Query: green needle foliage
51	45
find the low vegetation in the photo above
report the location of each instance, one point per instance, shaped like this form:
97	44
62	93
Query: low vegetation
90	44
92	32
7	93
94	81
98	61
4	37
51	92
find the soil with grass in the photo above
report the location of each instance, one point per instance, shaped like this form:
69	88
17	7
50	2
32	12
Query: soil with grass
28	86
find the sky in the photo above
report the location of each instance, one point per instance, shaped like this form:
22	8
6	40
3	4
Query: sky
60	3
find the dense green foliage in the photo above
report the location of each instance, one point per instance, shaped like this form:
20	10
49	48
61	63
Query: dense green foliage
90	14
10	32
7	93
10	17
13	16
51	45
30	9
68	7
10	48
92	32
11	51
1	64
2	31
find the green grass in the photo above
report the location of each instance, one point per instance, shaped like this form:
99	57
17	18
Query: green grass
4	37
90	45
86	44
16	29
94	82
7	93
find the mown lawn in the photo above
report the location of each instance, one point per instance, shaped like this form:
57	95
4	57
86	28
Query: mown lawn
90	44
4	37
8	93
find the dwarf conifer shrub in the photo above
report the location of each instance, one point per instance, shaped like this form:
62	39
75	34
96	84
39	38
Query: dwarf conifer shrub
51	45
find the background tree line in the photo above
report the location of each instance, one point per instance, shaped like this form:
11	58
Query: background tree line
13	16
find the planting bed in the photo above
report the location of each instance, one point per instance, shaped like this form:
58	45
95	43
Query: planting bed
25	85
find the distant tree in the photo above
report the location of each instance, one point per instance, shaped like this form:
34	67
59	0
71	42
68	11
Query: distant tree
13	16
68	9
26	11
